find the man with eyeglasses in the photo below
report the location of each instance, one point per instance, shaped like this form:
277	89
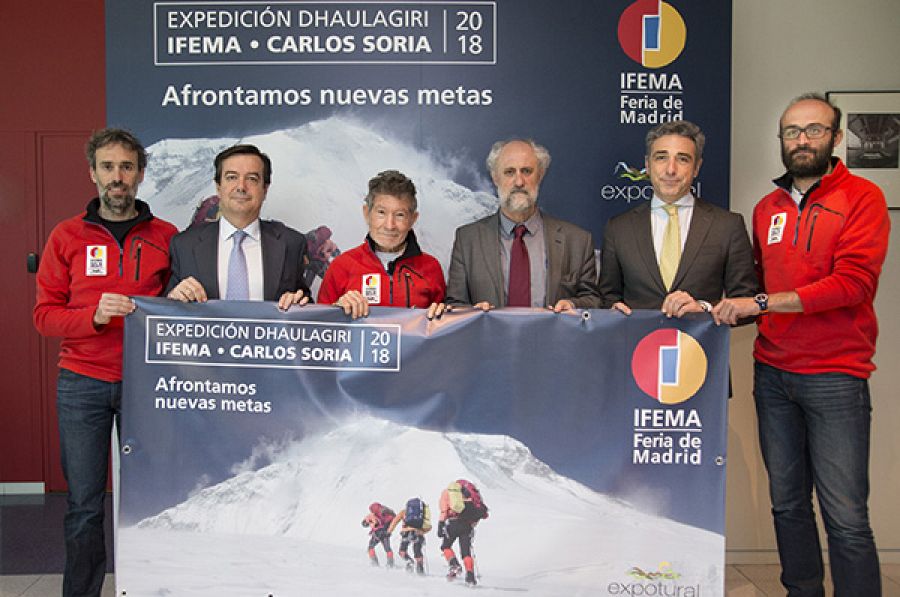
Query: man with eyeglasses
240	256
820	240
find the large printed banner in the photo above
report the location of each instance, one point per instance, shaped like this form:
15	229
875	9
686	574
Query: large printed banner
253	442
337	91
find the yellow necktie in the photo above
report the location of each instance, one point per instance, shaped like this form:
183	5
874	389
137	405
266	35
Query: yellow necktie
670	254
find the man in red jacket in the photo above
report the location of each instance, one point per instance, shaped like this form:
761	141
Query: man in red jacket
388	269
92	264
820	240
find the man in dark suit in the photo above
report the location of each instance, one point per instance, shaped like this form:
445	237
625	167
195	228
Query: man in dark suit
676	253
239	256
521	256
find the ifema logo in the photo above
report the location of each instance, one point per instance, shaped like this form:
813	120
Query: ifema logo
652	33
669	365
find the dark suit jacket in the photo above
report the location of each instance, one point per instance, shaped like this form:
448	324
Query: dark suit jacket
717	259
475	270
194	252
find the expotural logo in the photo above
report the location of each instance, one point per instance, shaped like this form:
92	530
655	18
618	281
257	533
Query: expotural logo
97	252
664	571
669	365
630	172
652	33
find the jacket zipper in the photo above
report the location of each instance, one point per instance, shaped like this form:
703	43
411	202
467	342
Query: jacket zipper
137	261
815	216
812	227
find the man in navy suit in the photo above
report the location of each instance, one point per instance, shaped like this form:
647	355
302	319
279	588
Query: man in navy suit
711	254
271	254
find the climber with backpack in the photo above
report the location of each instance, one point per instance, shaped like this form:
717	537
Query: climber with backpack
416	519
378	520
461	509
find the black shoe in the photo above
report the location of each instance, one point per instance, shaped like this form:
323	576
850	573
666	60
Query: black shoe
420	569
453	572
470	578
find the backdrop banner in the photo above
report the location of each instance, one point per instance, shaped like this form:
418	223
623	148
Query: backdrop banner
336	92
254	441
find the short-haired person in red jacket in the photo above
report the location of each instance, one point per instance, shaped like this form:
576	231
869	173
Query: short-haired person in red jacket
820	239
388	269
93	263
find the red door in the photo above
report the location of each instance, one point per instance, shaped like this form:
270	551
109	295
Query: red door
54	51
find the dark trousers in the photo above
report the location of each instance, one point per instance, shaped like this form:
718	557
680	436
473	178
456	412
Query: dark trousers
87	408
814	432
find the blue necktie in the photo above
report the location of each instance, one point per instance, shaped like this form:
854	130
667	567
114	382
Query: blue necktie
238	280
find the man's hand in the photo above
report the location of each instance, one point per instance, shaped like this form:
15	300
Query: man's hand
112	305
680	302
435	310
484	306
292	298
354	304
563	305
621	307
188	290
729	310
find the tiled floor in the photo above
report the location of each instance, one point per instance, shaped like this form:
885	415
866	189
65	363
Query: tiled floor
35	522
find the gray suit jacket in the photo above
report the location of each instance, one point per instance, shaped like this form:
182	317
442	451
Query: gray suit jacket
195	252
475	270
717	259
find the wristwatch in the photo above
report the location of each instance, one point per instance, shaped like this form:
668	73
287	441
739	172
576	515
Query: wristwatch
762	301
705	305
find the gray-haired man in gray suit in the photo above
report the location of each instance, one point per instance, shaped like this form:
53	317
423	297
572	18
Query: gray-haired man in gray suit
561	272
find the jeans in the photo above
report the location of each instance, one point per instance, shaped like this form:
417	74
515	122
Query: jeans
86	409
814	432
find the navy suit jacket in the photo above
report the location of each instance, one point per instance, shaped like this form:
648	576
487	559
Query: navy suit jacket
195	252
717	259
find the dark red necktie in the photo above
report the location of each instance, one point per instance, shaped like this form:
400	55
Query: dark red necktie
519	271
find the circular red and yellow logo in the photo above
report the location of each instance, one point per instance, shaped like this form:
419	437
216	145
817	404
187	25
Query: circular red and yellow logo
652	33
669	365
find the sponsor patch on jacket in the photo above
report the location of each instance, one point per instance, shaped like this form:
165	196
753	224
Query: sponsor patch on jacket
776	228
371	288
95	260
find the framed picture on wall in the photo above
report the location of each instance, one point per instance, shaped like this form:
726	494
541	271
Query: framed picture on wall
871	144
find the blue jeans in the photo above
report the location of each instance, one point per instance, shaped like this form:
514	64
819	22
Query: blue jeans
814	432
86	408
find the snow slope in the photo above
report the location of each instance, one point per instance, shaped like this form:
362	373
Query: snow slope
294	521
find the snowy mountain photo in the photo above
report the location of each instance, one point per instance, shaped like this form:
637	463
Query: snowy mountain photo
288	522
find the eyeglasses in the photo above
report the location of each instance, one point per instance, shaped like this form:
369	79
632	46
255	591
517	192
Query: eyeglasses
812	131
